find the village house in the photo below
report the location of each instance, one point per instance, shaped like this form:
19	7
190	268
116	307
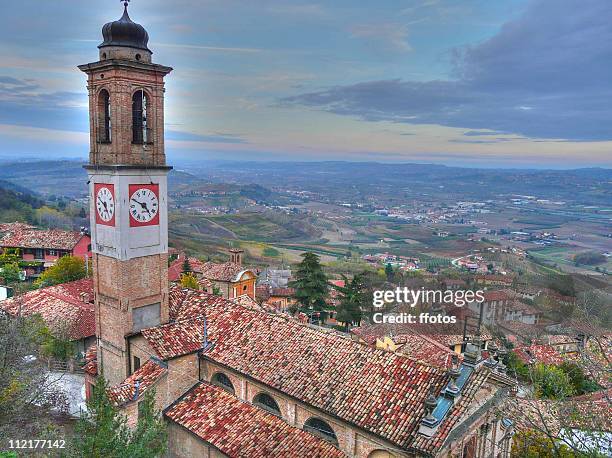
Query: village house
231	279
67	309
494	280
41	248
516	310
281	298
493	307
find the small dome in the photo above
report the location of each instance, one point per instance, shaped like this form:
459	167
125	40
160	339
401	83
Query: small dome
124	32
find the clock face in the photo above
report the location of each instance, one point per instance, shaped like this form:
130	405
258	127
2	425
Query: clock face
104	195
144	205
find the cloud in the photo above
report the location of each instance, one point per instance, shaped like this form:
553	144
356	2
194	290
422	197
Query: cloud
301	10
390	36
207	48
216	137
23	102
545	74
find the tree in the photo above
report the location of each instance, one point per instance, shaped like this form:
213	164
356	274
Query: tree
57	343
67	268
103	432
9	256
550	382
352	301
11	273
515	366
311	287
150	438
534	444
28	393
389	272
189	281
186	265
577	377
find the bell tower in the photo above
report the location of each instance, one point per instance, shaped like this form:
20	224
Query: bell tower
128	191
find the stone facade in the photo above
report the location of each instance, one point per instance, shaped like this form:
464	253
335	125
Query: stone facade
184	444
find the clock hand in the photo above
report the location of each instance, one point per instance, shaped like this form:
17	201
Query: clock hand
143	205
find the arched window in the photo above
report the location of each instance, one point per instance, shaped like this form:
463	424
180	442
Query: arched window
267	402
104	117
222	380
381	454
141	130
322	429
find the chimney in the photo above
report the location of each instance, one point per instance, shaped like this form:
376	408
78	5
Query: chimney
236	256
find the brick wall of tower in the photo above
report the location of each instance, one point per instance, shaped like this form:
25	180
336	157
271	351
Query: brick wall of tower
120	287
122	82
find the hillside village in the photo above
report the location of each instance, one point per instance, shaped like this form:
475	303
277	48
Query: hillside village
230	356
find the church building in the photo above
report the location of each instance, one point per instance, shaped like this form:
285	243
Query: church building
230	380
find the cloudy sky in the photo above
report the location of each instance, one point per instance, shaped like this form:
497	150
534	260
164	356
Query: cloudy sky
512	83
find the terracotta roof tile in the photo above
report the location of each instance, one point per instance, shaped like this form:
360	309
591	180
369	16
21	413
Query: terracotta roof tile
538	353
239	429
54	239
148	374
91	361
380	391
446	334
226	271
60	305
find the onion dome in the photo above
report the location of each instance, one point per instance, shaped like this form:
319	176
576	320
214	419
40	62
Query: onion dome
125	32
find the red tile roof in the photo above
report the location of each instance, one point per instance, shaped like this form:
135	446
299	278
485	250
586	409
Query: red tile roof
16	226
379	391
53	239
496	295
426	349
60	305
239	429
282	292
538	353
226	271
91	361
148	374
176	267
446	334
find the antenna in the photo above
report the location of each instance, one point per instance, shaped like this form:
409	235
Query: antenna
206	345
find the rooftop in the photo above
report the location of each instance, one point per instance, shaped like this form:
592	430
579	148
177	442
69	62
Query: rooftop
538	353
379	391
239	429
69	304
148	374
226	271
53	239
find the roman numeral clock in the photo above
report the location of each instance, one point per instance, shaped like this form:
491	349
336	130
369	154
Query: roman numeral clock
144	205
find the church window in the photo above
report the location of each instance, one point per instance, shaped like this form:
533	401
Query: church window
321	429
223	381
267	402
141	130
104	117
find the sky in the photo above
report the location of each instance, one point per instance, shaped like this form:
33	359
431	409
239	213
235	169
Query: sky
512	83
